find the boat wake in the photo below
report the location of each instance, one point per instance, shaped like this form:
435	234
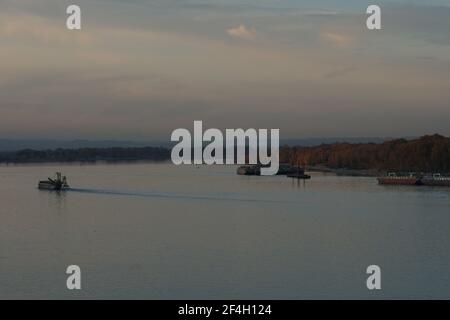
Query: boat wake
170	195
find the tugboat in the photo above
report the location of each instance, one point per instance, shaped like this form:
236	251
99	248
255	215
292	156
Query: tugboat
58	183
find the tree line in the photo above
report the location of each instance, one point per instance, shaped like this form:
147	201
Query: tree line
86	155
425	154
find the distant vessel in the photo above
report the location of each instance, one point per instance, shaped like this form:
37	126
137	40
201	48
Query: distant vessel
255	170
57	183
415	179
437	180
392	178
299	175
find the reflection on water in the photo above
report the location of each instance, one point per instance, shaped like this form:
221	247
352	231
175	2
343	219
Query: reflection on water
298	183
159	231
55	199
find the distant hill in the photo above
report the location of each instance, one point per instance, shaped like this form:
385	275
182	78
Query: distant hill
427	154
51	144
48	144
85	155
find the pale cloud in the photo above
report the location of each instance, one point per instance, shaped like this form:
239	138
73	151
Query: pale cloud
337	39
26	27
242	32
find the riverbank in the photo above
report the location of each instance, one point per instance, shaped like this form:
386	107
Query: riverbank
425	154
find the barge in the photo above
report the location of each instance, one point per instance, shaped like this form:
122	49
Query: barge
255	170
299	175
436	180
393	178
415	179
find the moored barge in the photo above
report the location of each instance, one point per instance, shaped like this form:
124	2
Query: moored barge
415	179
392	178
299	175
436	180
255	170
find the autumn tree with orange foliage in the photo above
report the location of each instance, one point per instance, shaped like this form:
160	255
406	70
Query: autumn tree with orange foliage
426	154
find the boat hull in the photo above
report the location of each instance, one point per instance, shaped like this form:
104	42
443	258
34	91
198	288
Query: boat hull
299	176
49	186
255	170
436	182
400	181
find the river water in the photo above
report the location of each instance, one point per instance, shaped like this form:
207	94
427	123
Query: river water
156	231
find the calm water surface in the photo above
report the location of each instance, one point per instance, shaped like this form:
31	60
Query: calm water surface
151	231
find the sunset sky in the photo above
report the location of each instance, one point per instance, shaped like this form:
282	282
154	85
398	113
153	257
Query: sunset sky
140	69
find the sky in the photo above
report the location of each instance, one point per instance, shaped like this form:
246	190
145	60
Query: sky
140	69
